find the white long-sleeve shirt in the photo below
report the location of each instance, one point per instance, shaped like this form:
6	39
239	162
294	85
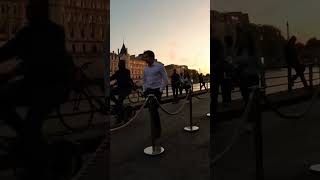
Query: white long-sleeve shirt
155	76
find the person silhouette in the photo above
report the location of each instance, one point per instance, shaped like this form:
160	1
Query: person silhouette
47	72
155	80
247	62
124	87
292	59
175	83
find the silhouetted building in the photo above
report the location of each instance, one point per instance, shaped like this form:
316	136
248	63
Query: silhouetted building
85	24
12	18
134	63
225	23
179	69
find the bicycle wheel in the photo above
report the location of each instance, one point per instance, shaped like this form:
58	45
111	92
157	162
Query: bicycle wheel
77	113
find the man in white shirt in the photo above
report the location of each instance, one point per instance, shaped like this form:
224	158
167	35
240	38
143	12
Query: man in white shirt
155	80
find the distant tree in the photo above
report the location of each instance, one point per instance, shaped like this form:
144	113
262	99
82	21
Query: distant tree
312	49
313	42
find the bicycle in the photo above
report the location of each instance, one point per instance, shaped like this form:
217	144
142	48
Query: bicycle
77	113
128	110
63	157
136	94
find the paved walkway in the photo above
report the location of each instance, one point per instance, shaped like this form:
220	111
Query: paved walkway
186	154
290	147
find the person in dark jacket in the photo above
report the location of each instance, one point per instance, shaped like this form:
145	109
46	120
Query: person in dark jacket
291	54
248	64
46	76
175	83
216	59
123	89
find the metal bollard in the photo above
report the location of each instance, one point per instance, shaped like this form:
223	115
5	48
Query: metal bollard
153	149
311	75
191	127
258	138
167	91
289	79
263	83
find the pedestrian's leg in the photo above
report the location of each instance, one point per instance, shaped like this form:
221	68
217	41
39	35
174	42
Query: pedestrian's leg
113	94
224	90
121	110
34	145
244	91
174	93
303	79
177	92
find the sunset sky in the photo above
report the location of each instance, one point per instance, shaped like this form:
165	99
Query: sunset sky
303	16
178	31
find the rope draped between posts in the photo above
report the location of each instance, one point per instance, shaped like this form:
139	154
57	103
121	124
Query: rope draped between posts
207	92
133	118
177	111
239	126
293	115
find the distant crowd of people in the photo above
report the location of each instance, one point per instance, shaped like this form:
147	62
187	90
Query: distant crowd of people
183	81
235	63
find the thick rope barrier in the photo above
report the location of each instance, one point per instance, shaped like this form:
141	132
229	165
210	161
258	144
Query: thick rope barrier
293	115
133	118
177	111
238	129
104	145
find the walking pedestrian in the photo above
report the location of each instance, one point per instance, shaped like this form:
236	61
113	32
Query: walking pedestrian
155	81
175	83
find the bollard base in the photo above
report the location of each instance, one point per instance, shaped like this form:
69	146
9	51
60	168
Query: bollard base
153	151
315	168
191	129
208	114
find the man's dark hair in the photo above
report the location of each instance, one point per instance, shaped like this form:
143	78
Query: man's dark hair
150	54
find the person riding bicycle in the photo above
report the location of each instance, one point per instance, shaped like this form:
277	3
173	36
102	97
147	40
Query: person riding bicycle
47	75
124	86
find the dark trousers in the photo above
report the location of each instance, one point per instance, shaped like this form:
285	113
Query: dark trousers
299	73
226	88
122	94
154	113
175	92
203	84
180	89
